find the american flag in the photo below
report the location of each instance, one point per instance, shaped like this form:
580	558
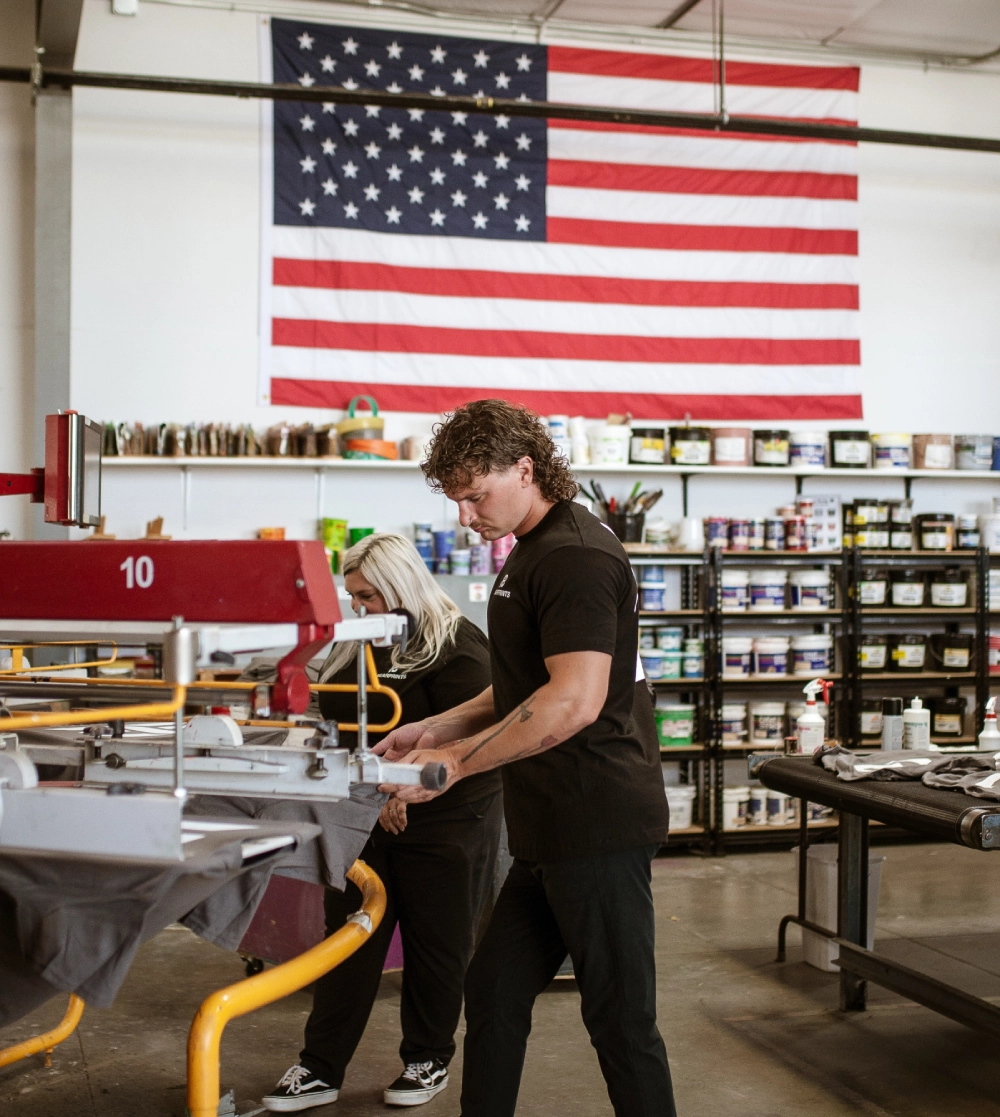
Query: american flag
429	258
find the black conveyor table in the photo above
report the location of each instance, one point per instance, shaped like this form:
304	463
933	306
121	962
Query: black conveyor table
948	816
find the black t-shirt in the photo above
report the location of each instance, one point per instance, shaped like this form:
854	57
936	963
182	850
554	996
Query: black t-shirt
460	673
567	586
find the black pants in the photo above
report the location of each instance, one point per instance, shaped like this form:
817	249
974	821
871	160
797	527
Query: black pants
437	875
600	911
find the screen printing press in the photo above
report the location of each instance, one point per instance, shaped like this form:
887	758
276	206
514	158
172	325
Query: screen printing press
943	815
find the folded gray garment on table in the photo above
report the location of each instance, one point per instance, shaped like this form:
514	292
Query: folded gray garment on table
983	784
895	764
224	916
73	925
954	771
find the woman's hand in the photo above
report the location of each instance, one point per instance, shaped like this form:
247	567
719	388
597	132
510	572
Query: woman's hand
404	739
393	817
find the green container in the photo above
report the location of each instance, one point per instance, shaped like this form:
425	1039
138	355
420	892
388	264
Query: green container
333	533
675	725
356	534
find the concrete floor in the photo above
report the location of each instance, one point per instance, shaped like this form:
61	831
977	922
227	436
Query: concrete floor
744	1035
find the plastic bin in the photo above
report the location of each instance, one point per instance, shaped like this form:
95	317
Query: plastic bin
821	904
680	800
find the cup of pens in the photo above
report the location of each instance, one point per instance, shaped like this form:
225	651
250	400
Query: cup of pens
628	526
626	518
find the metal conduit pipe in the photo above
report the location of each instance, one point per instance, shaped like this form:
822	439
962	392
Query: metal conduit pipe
264	988
547	110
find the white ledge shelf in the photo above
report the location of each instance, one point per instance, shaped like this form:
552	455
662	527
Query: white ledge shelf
150	462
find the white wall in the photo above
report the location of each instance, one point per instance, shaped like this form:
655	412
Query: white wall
166	256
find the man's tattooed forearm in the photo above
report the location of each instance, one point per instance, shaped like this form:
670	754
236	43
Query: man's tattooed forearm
545	744
523	712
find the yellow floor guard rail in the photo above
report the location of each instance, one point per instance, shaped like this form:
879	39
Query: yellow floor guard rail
264	988
149	711
47	1040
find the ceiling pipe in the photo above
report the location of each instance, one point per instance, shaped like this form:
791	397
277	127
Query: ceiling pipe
677	14
65	79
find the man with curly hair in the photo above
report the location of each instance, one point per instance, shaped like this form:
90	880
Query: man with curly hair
568	721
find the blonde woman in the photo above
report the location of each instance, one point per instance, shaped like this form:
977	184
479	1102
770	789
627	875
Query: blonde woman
436	859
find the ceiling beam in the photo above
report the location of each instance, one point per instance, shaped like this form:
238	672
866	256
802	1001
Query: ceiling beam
677	14
57	26
544	110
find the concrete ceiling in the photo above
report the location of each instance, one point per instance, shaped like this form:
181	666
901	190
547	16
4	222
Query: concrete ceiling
933	28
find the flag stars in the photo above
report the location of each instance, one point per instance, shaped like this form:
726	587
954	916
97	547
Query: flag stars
523	142
306	80
522	182
525	99
393	215
479	139
394	132
437	136
307	123
501	121
308	208
522	224
308	165
437	177
329	106
459	76
501	201
395	173
351	84
372	192
350	211
416	154
416	195
416	115
523	63
350	128
438	55
459	118
459	158
372	111
306	41
416	73
502	161
329	147
329	187
372	68
394	50
394	87
481	59
480	180
479	220
459	199
328	64
503	82
350	169
350	46
373	150
437	91
437	217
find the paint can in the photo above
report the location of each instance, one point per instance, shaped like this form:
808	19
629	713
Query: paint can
892	451
850	449
807	448
770	448
933	451
731	446
973	451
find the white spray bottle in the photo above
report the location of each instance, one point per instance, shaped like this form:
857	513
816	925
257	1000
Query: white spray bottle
810	727
989	739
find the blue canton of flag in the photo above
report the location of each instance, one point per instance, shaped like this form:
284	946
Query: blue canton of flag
408	170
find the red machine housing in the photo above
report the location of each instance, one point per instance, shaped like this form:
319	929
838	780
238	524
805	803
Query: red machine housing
207	581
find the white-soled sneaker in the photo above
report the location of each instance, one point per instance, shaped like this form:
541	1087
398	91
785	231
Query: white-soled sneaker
417	1084
297	1089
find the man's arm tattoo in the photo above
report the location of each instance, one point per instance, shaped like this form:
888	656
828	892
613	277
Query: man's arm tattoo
545	744
523	712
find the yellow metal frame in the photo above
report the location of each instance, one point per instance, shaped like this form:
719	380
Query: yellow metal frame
374	687
264	988
149	711
17	658
47	1041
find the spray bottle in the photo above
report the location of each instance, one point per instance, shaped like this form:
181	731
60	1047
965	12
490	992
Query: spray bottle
989	739
810	727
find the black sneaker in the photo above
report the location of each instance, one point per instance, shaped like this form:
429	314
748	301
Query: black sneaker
417	1084
297	1089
